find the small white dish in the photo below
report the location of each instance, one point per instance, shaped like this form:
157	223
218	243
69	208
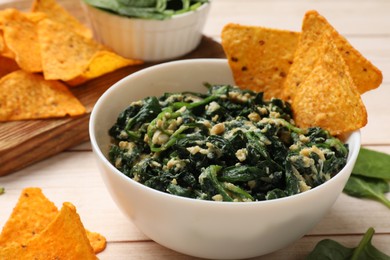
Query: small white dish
148	40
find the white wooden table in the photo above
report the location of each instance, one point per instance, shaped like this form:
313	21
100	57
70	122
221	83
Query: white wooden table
73	175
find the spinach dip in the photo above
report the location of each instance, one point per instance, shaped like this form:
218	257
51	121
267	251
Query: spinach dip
225	145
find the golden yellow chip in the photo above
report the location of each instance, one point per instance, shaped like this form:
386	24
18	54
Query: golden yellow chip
57	13
97	241
63	238
65	54
259	57
7	65
328	98
31	215
36	17
364	74
101	63
28	96
20	36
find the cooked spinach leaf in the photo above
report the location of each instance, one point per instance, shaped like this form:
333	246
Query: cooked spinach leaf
227	144
147	9
330	249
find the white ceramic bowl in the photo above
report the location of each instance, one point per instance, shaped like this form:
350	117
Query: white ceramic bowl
148	40
208	229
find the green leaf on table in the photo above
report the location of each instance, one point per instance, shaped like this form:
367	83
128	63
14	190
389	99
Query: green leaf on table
370	188
2	190
372	164
330	249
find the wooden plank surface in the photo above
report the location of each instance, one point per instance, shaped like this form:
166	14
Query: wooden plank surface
348	219
73	176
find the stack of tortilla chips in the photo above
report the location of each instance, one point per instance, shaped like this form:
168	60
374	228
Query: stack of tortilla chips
37	230
42	52
317	70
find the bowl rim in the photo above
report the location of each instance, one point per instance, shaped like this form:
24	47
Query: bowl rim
354	137
173	17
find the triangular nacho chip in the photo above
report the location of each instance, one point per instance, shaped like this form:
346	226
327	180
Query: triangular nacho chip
28	96
20	37
31	215
65	54
364	74
35	17
327	97
57	13
63	238
98	242
71	57
101	63
259	57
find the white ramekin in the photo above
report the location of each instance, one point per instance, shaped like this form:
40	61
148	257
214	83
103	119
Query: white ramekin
148	40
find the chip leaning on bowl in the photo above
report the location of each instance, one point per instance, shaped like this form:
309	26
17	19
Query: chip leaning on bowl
317	70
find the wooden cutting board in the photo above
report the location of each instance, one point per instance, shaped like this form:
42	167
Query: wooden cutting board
25	142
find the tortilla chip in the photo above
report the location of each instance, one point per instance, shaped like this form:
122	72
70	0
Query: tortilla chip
364	74
56	12
260	58
7	65
35	17
20	36
28	96
65	54
63	238
328	98
101	63
31	215
98	242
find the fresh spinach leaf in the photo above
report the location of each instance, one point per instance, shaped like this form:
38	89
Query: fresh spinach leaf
370	176
330	249
372	164
371	188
